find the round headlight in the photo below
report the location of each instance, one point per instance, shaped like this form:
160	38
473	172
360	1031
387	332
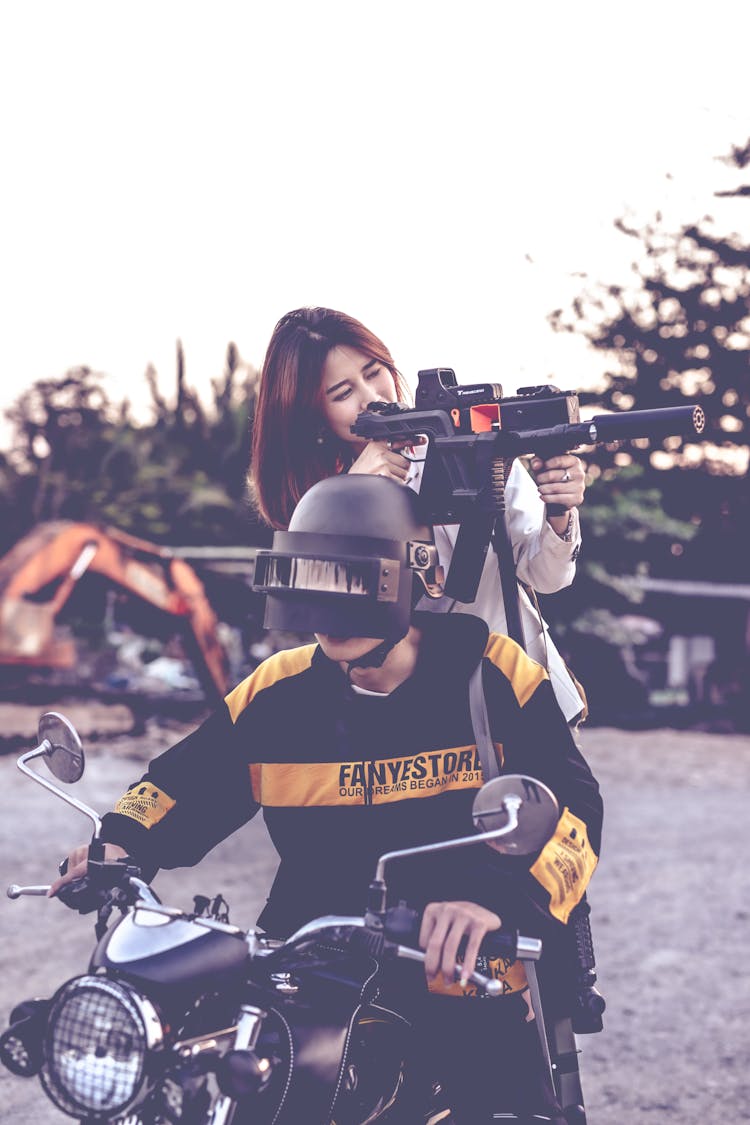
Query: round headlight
99	1034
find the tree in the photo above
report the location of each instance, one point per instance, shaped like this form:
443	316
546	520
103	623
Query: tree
679	333
62	433
682	334
189	485
180	478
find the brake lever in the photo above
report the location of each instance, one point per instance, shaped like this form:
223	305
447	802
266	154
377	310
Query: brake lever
487	984
14	891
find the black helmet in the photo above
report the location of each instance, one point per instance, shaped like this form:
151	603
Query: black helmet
345	566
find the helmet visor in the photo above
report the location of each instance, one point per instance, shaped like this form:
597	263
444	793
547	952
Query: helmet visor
373	579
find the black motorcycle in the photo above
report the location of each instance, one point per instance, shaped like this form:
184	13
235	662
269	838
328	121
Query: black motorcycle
184	1018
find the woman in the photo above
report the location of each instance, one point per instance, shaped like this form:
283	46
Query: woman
320	371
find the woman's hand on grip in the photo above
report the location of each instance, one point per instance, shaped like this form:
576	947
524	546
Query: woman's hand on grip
560	480
378	459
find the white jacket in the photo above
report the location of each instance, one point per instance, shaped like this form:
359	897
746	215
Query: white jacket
543	560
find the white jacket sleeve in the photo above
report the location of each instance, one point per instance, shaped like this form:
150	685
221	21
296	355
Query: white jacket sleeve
543	559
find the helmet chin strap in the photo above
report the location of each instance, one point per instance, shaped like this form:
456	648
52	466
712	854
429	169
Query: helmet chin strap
376	657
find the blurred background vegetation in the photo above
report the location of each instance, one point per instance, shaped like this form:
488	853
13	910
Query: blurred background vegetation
179	477
664	523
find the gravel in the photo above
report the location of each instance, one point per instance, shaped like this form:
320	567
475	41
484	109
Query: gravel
669	911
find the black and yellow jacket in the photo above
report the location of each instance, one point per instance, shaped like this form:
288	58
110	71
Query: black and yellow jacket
343	777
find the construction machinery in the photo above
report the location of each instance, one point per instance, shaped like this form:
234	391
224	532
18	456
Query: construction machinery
39	574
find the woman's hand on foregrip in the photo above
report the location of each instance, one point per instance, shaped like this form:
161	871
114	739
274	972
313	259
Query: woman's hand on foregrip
560	480
444	926
382	459
78	863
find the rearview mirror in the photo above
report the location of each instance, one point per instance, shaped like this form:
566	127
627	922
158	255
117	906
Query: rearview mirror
516	797
61	746
514	814
61	749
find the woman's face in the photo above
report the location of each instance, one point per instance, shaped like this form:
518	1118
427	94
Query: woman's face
351	380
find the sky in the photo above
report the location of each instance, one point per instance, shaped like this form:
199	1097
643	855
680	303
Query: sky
445	172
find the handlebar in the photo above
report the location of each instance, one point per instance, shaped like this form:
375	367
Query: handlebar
498	944
491	987
393	934
14	891
396	935
92	890
402	925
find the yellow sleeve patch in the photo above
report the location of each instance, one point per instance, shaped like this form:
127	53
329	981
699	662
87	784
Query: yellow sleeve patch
565	865
145	804
522	673
288	662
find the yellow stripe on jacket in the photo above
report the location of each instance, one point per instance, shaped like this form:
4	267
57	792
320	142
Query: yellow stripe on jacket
280	666
522	673
298	784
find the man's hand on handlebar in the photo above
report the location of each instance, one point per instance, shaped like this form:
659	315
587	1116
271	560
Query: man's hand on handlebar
444	926
78	862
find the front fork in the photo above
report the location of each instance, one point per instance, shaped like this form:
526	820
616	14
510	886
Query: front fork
248	1029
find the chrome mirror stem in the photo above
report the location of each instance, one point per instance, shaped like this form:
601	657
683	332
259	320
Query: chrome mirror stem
41	751
511	805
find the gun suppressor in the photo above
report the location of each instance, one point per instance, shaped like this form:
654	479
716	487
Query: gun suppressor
649	423
665	422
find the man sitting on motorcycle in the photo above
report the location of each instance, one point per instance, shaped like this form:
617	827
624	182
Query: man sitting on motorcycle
363	743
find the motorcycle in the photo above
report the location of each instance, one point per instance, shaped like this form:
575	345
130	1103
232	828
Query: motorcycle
185	1018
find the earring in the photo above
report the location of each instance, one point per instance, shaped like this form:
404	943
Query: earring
321	436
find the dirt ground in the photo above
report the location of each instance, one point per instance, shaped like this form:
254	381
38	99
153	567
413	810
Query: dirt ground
670	909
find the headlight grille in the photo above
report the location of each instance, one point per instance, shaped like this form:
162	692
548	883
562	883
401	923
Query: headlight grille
95	1049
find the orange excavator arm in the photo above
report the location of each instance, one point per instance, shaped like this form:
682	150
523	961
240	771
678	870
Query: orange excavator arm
58	554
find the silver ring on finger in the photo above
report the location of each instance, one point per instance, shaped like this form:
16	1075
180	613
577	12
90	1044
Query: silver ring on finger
389	445
565	477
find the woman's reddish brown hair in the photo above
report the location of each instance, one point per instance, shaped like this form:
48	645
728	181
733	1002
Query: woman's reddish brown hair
287	455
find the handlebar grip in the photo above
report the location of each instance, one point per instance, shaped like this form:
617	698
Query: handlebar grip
95	854
491	987
89	892
500	943
80	895
402	926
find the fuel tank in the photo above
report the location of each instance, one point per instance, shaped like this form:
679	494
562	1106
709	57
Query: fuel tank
169	952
